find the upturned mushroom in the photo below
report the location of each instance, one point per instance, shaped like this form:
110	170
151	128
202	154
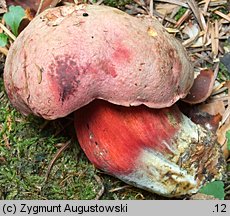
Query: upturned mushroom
121	76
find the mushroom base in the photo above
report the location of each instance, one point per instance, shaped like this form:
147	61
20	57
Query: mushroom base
159	150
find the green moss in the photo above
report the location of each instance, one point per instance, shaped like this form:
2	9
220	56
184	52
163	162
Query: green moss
180	13
172	119
222	9
223	74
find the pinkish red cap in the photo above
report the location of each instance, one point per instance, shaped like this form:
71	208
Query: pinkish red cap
71	55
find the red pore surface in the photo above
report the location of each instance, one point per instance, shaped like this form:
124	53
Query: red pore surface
68	56
114	136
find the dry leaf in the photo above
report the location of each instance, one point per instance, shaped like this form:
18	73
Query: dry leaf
227	17
210	122
166	9
215	38
205	8
221	137
176	2
29	15
192	30
200	196
198	42
172	30
195	9
202	87
225	126
213	108
34	4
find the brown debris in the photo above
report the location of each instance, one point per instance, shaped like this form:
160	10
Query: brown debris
202	87
203	36
227	17
35	5
102	189
198	15
200	196
3	7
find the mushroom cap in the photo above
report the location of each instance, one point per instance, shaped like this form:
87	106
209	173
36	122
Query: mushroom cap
68	56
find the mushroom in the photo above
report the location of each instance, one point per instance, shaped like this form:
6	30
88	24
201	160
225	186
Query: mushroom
121	76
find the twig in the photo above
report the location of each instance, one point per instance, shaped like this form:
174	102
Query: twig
218	98
223	38
227	111
46	122
222	15
102	190
183	18
56	156
206	31
189	41
119	188
176	2
216	70
196	50
63	128
225	31
42	3
174	12
141	3
172	30
216	37
225	116
7	31
212	39
205	9
135	9
219	89
151	7
141	195
204	58
152	12
40	7
218	3
194	7
164	17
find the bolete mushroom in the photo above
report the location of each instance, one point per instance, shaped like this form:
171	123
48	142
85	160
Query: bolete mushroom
119	74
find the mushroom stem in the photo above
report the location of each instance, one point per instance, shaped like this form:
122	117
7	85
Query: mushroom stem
160	150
